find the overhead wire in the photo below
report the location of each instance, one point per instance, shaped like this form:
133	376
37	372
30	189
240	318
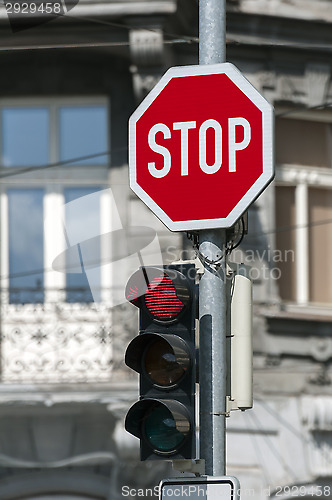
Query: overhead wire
80	45
261	233
25	170
19	171
290	427
281	459
258	451
175	38
45	270
302	110
293	227
282	421
271	446
184	38
275	44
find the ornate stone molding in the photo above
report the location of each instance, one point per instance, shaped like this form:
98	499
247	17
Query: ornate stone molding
147	55
144	81
317	419
308	89
290	336
317	413
317	79
146	46
321	378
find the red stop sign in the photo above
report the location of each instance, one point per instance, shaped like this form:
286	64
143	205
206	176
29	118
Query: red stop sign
201	147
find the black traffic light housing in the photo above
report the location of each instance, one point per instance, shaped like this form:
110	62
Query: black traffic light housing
164	356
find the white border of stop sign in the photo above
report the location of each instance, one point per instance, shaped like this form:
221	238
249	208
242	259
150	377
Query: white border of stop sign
267	143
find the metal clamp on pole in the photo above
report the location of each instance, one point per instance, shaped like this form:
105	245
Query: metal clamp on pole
196	467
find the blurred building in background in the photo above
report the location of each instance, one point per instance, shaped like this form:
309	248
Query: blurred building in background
71	235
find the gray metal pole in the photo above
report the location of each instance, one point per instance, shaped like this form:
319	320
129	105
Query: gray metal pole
212	31
212	288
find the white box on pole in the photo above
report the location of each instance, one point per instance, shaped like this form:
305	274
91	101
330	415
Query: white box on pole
240	345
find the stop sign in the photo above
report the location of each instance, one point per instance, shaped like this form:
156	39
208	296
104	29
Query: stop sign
201	147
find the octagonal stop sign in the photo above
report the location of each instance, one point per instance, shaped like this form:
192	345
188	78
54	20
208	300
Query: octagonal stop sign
201	147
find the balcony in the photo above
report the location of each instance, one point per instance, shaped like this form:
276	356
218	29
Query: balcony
60	342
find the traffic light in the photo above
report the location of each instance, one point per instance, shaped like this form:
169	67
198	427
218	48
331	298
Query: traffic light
164	356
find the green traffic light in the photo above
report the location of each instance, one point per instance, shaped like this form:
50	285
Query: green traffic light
161	430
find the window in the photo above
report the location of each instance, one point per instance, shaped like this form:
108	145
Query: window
303	142
320	244
46	211
39	135
83	132
26	246
304	210
25	136
285	240
82	229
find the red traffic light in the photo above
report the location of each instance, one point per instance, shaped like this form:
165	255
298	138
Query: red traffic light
163	293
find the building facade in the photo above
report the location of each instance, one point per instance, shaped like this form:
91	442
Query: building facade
71	235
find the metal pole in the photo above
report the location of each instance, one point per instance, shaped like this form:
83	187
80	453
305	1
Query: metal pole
212	288
212	31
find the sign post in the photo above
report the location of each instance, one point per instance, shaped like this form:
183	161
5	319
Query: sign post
212	287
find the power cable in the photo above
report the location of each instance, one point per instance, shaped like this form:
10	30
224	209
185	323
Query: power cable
271	446
294	227
175	38
18	171
286	228
282	421
290	427
302	110
286	45
80	45
258	452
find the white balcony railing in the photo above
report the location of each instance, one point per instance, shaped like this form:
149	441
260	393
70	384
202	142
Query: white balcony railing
64	342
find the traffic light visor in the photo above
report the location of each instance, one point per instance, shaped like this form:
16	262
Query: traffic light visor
163	293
